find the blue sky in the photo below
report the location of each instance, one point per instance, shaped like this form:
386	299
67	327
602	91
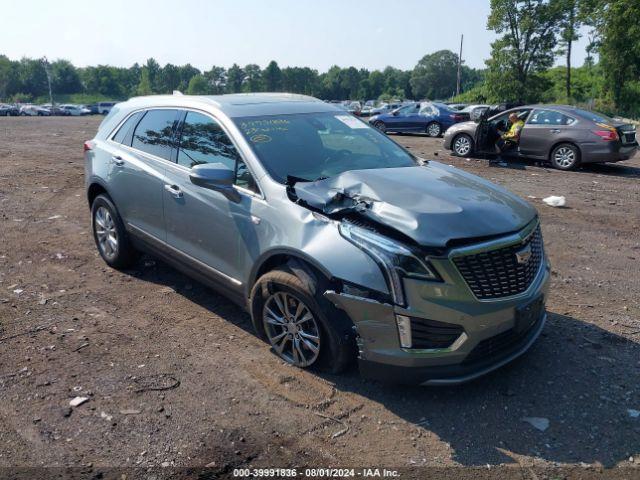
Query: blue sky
314	33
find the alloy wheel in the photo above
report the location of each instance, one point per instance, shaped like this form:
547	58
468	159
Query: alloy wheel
292	329
462	145
381	126
433	130
564	157
105	228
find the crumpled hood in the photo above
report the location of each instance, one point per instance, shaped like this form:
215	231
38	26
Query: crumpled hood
431	204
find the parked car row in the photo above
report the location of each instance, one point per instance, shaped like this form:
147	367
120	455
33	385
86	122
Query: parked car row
46	110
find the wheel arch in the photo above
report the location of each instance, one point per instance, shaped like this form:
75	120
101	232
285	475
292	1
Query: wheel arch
307	269
95	188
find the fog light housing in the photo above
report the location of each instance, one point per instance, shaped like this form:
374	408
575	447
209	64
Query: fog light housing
404	330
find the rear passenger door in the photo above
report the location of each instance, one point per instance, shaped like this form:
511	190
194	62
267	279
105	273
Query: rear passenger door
543	129
201	223
142	147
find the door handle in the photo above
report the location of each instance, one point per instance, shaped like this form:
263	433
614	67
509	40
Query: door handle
555	130
174	190
118	160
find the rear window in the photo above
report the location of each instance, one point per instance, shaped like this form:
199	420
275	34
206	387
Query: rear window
593	116
125	132
154	133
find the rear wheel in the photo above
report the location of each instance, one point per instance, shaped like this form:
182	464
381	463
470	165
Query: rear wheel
109	233
380	126
299	323
434	129
462	145
565	157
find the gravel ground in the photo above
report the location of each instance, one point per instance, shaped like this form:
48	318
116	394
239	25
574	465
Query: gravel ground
176	378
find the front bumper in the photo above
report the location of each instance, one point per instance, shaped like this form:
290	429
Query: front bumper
483	322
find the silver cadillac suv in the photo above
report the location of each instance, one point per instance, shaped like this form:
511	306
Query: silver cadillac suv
340	243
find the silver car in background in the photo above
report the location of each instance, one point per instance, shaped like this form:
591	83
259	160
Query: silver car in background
339	242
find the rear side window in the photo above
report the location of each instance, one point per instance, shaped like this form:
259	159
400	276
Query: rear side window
125	132
549	117
154	133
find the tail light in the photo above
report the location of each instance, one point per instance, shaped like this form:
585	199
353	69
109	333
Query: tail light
607	135
457	118
88	145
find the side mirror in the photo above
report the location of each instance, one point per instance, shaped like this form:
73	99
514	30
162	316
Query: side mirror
215	176
395	113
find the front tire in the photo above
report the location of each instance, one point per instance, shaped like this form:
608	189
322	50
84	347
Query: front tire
434	129
565	156
111	237
294	318
462	145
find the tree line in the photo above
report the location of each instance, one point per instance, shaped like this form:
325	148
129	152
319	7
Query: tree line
532	36
26	79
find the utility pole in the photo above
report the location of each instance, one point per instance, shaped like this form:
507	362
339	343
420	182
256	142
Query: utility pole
459	65
47	69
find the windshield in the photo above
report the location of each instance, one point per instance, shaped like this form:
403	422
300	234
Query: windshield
313	146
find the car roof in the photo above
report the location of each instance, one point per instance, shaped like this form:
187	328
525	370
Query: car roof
242	104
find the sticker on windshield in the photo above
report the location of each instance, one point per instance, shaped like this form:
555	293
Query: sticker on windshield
351	122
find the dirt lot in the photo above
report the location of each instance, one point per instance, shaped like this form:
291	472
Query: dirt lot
70	326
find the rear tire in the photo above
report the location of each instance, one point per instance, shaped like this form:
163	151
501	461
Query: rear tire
326	328
112	239
433	129
380	126
565	156
462	145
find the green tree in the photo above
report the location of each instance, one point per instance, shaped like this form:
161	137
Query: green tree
526	47
65	77
435	75
272	77
217	79
617	23
9	82
168	78
144	87
235	79
253	78
198	85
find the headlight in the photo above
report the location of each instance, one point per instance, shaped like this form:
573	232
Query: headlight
395	259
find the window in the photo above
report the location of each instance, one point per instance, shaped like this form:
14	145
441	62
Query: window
154	133
125	133
202	140
429	110
318	145
549	117
409	110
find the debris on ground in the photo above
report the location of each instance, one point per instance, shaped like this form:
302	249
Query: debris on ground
633	413
77	401
539	423
554	201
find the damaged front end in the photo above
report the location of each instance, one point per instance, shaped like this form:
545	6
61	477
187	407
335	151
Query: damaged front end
414	222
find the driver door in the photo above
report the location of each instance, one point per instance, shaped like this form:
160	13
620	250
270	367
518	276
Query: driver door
204	224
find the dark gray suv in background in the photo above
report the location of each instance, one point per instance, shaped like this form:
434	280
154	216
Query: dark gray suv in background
339	242
563	135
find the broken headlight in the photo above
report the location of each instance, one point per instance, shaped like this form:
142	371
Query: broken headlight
395	259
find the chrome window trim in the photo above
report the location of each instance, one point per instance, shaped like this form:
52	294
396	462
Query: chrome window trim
575	120
258	195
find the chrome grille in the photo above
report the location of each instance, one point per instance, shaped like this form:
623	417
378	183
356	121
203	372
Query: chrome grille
498	273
